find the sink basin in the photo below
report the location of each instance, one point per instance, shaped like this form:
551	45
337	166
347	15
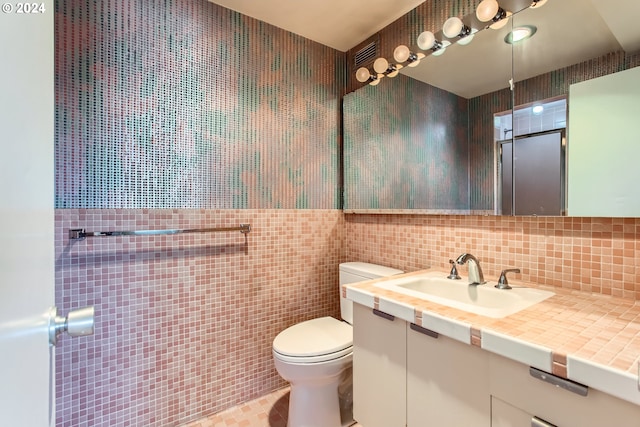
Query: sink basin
485	299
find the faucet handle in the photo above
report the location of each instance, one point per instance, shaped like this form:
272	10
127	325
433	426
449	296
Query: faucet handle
503	283
453	275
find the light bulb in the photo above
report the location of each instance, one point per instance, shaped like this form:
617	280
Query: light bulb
452	27
426	40
381	65
374	82
487	10
466	40
414	63
445	44
520	33
401	53
363	75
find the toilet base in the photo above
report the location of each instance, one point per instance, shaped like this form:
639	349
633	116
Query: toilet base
321	394
317	406
314	406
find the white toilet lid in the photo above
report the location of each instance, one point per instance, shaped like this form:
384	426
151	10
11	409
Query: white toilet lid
316	337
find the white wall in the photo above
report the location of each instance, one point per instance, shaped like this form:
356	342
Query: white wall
26	214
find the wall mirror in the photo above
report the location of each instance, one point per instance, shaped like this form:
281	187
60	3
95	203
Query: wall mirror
426	141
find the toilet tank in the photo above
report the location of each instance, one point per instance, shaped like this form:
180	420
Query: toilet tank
352	272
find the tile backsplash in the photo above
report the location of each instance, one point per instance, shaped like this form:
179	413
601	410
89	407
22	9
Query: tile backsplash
590	254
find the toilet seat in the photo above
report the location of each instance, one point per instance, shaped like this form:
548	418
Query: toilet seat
313	341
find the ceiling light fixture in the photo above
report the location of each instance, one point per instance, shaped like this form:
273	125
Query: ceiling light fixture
521	33
454	27
468	39
490	10
445	44
382	66
427	41
364	76
502	22
402	54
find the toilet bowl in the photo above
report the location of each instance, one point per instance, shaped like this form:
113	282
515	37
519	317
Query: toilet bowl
315	357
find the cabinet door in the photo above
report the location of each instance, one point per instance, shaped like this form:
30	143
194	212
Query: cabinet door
505	415
447	382
512	383
379	369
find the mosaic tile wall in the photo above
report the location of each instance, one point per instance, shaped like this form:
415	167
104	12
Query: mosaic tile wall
392	156
598	255
184	323
181	114
481	147
185	104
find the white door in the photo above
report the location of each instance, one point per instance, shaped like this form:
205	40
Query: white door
26	213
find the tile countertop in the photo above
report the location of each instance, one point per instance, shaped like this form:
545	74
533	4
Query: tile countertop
589	338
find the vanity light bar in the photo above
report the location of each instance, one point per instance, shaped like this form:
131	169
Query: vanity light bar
453	28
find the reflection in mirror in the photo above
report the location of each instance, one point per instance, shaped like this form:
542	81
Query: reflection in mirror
407	140
468	70
575	41
405	147
597	144
531	164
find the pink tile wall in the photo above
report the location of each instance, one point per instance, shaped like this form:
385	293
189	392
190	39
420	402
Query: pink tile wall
590	254
184	323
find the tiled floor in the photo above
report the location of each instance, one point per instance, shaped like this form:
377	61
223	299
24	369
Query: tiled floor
267	411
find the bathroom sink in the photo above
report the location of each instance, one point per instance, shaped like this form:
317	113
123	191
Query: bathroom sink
484	299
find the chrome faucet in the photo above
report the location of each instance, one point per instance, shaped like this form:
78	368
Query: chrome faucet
475	272
453	274
503	283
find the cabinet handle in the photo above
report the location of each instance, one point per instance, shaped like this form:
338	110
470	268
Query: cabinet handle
384	315
425	331
564	383
539	422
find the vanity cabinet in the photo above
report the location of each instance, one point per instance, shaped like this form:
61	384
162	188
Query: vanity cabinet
379	368
405	375
518	397
506	415
447	381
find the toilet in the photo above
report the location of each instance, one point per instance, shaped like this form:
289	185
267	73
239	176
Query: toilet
315	357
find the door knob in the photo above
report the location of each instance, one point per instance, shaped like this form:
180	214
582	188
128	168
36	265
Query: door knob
77	323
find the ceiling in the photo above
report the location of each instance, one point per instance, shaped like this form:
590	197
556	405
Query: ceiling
568	32
340	24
